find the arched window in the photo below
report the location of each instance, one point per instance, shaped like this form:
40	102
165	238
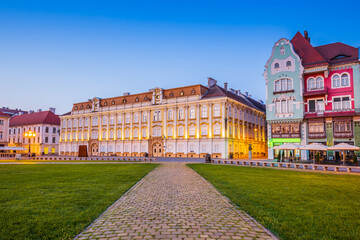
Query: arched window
104	120
345	80
136	133
181	113
111	134
118	134
192	130
144	132
181	131
170	131
216	129
204	130
311	83
80	136
127	133
276	65
288	63
319	83
336	81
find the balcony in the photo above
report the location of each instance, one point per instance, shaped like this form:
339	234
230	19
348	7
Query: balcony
315	92
343	134
317	135
285	135
284	91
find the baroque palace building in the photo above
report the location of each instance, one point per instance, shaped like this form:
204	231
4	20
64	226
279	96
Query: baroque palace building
188	121
312	93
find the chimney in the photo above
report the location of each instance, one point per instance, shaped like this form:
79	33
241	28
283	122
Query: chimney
246	94
211	82
39	110
52	110
225	86
31	111
126	94
306	35
238	92
261	101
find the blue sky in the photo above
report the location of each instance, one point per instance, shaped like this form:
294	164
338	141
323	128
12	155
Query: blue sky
56	53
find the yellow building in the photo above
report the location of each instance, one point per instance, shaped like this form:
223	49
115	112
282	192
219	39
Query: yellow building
188	121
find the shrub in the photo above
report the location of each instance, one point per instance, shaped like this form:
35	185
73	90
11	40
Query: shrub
317	157
279	157
355	161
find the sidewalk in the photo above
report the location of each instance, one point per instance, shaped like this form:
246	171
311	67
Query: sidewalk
174	202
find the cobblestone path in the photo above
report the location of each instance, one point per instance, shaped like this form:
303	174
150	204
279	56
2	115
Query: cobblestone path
174	202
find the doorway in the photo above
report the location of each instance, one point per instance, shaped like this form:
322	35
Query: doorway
157	149
94	149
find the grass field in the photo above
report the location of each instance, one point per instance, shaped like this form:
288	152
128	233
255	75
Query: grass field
292	204
59	201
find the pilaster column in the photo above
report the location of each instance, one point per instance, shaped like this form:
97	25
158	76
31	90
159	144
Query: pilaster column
198	133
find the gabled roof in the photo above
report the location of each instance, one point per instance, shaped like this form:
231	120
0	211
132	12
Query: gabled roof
217	91
338	52
45	117
308	54
2	114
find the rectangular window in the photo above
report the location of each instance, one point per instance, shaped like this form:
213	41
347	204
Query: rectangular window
345	103
1	122
311	105
290	106
216	148
337	103
1	135
53	139
283	106
277	107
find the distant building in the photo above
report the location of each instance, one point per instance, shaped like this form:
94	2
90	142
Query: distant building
4	128
45	124
188	121
313	93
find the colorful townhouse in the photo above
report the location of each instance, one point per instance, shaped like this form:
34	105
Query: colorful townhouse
326	85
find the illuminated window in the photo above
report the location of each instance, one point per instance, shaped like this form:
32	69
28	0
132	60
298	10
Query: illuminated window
170	131
144	117
118	133
157	115
216	111
111	135
170	114
192	130
136	117
144	132
181	113
136	133
204	130
217	129
192	113
204	111
181	131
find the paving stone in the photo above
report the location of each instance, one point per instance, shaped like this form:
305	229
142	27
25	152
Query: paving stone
174	202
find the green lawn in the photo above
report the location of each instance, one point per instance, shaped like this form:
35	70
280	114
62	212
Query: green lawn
59	201
293	205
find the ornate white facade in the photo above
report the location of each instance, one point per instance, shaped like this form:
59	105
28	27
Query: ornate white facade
188	121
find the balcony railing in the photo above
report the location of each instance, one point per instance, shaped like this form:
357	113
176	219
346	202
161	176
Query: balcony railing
317	135
285	135
315	92
344	134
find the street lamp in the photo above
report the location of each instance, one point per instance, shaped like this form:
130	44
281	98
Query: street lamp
29	135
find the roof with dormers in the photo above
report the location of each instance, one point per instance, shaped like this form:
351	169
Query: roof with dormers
325	55
217	91
44	117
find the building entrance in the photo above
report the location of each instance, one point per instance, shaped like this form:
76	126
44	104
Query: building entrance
94	149
157	149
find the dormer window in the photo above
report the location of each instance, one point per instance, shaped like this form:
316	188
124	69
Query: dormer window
288	63
282	51
276	65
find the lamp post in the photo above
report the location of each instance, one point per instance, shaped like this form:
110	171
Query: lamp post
29	135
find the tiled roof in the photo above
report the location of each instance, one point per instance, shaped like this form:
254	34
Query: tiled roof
45	117
11	111
329	54
338	53
217	91
2	114
308	54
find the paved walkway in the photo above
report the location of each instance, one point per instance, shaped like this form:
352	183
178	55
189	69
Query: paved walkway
174	202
